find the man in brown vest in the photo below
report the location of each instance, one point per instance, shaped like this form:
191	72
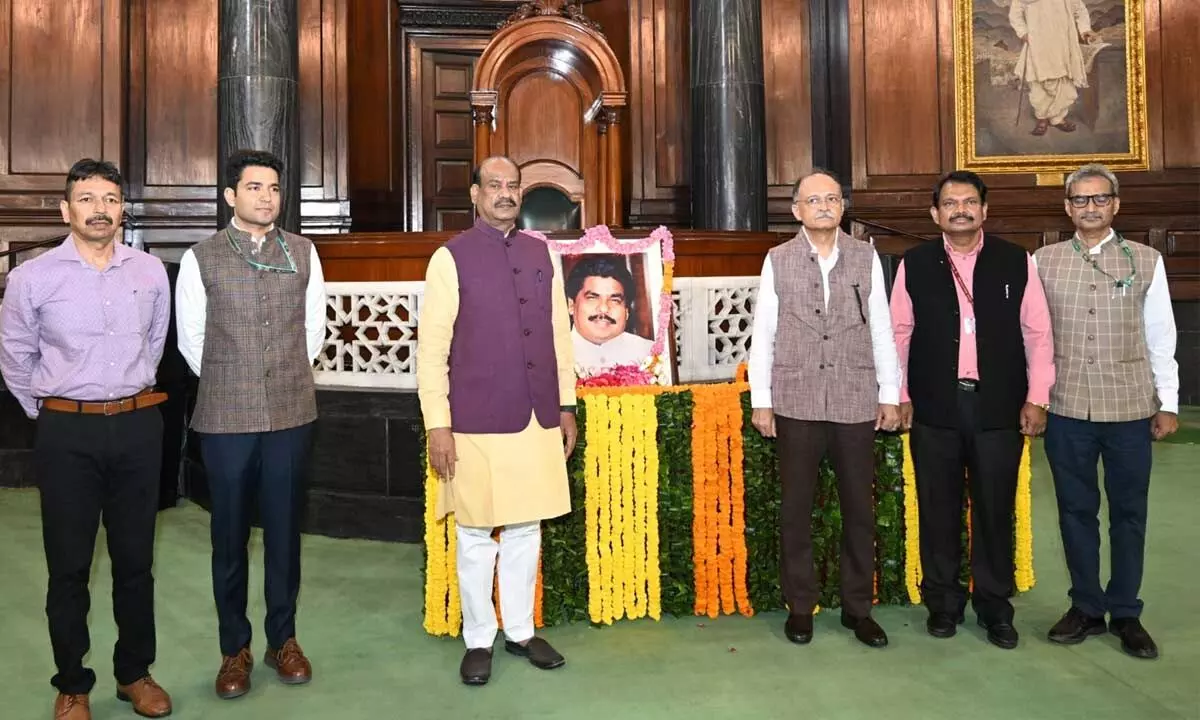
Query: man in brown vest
824	376
1117	390
496	379
250	304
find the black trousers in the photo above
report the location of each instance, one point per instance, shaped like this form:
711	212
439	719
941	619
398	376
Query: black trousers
241	468
93	467
947	461
1074	447
851	449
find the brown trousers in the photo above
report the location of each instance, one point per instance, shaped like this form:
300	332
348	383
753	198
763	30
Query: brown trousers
851	449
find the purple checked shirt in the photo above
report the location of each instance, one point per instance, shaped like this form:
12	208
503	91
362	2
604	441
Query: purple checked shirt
70	330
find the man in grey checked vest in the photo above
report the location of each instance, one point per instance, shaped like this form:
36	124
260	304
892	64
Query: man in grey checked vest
250	305
1117	390
824	374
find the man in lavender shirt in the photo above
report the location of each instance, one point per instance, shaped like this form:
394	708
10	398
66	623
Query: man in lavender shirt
82	329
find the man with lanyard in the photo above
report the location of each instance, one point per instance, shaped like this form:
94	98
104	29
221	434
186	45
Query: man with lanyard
82	330
250	303
973	336
824	375
496	380
1117	391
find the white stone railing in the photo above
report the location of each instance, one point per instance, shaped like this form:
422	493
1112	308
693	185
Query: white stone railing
371	337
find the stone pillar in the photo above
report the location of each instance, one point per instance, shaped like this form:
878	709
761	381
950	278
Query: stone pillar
729	176
258	51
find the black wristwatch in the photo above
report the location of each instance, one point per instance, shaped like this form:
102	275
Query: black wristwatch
567	408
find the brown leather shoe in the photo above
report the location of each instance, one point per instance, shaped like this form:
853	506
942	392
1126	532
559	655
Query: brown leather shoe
290	664
148	697
233	679
72	707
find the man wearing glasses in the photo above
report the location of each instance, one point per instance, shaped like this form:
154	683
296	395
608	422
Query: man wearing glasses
1117	390
973	336
824	376
250	304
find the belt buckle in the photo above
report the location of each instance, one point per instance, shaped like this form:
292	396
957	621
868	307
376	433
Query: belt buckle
112	402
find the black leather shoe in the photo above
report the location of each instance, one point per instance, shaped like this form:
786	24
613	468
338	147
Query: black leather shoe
476	668
539	652
1135	640
1075	627
942	625
1001	634
799	629
866	630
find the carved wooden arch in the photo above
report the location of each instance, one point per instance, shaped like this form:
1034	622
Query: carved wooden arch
565	38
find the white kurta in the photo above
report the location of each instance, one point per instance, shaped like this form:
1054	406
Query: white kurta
1051	60
624	349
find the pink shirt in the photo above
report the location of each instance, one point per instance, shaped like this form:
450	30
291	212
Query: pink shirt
1035	326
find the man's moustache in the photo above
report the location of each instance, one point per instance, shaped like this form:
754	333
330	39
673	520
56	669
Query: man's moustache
1092	216
962	217
605	318
100	218
506	203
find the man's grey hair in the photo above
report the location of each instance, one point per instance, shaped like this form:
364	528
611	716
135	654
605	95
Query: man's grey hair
1092	170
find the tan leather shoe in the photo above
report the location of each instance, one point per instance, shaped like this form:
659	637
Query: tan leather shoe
72	707
289	663
148	697
233	679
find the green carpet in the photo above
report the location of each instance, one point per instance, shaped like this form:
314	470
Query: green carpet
360	623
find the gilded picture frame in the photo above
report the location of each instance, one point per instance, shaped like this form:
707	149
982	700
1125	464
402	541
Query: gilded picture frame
1016	111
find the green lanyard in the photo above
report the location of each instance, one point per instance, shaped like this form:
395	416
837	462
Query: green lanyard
291	266
1122	284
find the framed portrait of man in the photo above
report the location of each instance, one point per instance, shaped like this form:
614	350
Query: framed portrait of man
613	299
1044	85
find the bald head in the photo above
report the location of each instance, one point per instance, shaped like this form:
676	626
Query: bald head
817	201
496	192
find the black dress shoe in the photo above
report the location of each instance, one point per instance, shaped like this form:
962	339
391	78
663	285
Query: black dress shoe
799	629
476	668
539	652
1135	640
866	630
1001	634
1075	627
942	625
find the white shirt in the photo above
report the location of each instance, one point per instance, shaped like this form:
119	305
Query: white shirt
766	322
191	307
624	349
1158	321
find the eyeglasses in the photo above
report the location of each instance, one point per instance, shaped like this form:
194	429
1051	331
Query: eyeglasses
1081	201
817	200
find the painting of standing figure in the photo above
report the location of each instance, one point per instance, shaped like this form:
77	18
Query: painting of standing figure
1042	85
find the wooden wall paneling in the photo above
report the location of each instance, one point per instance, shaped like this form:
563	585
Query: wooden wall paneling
54	113
310	113
1180	89
787	78
613	17
431	204
1181	257
371	110
659	127
447	138
901	87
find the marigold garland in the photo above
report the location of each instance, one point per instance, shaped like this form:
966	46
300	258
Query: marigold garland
1023	559
718	488
443	613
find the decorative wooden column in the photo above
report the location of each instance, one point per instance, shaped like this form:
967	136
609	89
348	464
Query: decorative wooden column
611	172
602	164
483	113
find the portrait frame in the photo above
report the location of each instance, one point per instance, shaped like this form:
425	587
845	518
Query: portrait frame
967	117
651	261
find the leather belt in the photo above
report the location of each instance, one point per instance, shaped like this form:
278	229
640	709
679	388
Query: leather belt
968	385
144	399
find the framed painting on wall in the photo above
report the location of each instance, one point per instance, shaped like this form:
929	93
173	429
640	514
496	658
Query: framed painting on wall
1046	85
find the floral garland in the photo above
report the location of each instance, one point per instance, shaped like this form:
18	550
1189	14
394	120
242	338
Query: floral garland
443	612
718	486
651	370
1023	550
1023	555
621	506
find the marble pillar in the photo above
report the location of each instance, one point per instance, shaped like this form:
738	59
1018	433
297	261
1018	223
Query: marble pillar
729	176
258	53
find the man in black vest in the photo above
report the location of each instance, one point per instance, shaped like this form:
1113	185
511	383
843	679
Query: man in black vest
973	335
